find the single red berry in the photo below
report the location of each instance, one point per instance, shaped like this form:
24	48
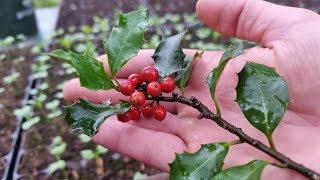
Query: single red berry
168	85
149	74
147	110
154	89
135	79
137	99
126	117
127	88
159	113
136	113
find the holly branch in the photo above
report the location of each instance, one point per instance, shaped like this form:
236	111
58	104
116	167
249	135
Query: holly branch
206	113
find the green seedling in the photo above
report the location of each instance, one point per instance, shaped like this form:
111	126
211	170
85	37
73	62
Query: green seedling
11	78
203	33
53	106
57	148
26	112
89	154
84	138
9	40
139	176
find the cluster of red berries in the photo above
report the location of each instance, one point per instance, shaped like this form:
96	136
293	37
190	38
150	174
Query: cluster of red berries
138	87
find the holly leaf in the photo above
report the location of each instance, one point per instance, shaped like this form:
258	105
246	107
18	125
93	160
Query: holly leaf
168	56
91	71
183	75
214	76
204	164
250	171
87	117
126	40
263	96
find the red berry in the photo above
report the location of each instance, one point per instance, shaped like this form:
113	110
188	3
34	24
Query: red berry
136	113
137	99
126	117
159	113
154	89
147	110
149	74
168	85
127	88
135	79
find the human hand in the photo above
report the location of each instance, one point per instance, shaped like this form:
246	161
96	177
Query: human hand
290	40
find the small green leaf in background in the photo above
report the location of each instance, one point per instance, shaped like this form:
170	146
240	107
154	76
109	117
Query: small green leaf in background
263	97
101	149
43	58
204	164
54	114
58	150
57	140
139	176
29	123
183	76
84	138
87	117
126	40
168	56
91	71
11	78
2	57
214	76
203	32
87	154
2	90
53	167
250	171
43	86
23	111
52	105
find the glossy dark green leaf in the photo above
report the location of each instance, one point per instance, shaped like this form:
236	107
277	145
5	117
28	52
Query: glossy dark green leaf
168	56
183	75
87	117
204	164
262	95
214	76
250	171
126	40
91	71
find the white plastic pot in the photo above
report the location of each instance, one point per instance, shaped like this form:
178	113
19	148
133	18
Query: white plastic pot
46	21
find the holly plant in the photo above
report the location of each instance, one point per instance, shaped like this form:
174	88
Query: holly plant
261	94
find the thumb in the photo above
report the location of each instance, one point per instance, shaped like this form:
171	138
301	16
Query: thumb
252	20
